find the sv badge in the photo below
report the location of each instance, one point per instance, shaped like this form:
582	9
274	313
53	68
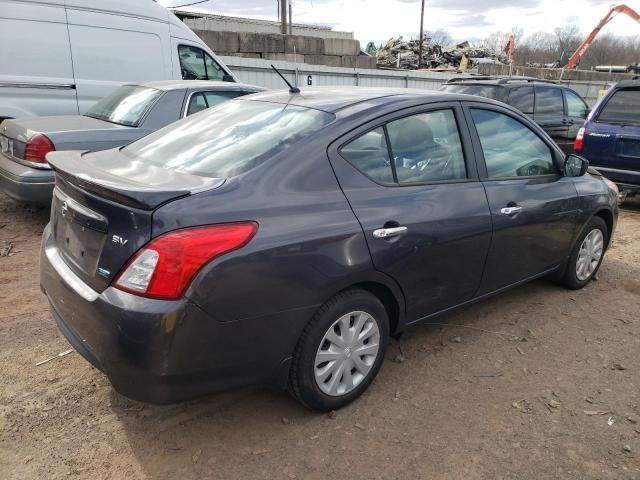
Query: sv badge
119	240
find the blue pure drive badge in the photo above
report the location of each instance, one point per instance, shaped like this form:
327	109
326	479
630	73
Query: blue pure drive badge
103	272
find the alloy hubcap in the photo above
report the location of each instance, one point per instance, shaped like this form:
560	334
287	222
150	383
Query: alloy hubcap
347	353
590	254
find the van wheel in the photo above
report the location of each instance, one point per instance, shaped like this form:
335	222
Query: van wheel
587	254
340	351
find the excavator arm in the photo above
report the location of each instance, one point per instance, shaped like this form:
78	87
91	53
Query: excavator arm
615	10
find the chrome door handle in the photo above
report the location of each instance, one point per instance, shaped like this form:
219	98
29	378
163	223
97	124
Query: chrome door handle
389	232
510	210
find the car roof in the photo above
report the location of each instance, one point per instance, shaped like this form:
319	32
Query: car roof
628	83
503	81
333	99
166	85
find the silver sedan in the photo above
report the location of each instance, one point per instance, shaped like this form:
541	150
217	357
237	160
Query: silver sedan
129	113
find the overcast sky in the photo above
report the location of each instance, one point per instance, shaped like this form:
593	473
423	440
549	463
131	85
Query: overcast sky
377	20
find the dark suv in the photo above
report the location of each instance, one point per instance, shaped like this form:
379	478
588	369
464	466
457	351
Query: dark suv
610	139
559	110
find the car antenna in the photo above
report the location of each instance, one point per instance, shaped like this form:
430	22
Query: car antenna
292	89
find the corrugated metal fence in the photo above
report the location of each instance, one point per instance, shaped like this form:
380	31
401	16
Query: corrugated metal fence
259	72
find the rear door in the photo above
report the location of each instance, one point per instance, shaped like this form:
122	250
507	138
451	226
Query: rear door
549	113
411	180
533	207
612	140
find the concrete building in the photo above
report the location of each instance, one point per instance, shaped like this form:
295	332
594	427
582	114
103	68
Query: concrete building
255	38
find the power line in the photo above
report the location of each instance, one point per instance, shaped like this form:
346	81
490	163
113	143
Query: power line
189	4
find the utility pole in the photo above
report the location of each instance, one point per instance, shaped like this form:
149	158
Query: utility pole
421	36
283	16
290	20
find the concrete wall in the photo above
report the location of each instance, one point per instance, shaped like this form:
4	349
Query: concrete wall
223	23
333	52
259	72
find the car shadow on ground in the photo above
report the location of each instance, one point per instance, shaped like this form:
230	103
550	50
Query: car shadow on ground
191	439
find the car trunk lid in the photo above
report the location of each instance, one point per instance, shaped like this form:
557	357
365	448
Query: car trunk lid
102	208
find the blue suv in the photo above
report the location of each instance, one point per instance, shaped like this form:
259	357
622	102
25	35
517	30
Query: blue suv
610	137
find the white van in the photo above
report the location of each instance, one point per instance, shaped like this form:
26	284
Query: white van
59	57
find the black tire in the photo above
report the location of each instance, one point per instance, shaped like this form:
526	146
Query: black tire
302	382
570	279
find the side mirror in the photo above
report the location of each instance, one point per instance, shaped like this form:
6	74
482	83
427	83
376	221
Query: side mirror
575	166
227	78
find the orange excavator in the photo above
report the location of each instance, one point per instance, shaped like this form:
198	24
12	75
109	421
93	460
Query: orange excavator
615	10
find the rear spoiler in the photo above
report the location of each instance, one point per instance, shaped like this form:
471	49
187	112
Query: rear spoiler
145	186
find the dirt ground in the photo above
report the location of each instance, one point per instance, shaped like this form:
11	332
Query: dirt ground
558	399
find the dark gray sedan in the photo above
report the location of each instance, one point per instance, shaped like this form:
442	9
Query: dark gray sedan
284	238
129	113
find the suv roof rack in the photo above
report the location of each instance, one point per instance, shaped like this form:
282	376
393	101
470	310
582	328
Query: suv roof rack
502	80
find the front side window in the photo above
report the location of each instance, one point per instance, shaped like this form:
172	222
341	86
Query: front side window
425	148
549	101
125	106
229	139
522	99
575	106
511	149
623	107
196	64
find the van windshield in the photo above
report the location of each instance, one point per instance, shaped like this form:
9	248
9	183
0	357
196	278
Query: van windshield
229	139
125	106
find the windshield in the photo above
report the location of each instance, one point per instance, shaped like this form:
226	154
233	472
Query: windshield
229	139
488	91
125	106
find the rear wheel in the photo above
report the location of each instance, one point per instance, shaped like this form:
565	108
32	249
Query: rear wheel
340	351
587	254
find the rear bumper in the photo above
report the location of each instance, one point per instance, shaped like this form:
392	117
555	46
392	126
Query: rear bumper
625	178
163	351
26	184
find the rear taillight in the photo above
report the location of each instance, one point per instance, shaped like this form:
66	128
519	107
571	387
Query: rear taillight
165	267
37	147
579	143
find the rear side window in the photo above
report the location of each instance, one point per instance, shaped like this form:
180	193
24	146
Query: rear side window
369	154
229	139
196	64
622	107
203	100
510	148
425	148
522	99
549	101
575	106
488	91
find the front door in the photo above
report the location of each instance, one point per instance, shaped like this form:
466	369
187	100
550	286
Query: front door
423	211
533	206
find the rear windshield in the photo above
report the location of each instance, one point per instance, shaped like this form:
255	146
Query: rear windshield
229	139
488	91
125	106
623	107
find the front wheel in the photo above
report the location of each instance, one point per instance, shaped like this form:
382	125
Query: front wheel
340	351
587	254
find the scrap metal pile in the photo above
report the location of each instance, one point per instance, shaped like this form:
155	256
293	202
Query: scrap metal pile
400	53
